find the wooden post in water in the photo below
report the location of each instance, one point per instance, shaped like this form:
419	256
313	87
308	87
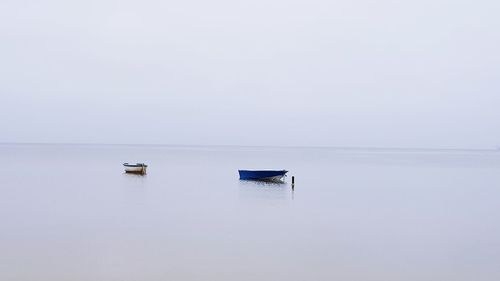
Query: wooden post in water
293	182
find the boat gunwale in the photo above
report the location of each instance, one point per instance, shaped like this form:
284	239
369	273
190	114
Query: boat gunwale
137	165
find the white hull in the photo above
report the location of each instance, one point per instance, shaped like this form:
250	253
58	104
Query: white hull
135	170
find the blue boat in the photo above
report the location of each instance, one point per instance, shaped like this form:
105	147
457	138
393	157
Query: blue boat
262	175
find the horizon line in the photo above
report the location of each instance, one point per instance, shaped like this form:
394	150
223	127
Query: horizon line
258	146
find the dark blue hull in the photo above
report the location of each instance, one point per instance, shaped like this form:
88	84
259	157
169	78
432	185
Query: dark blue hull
264	175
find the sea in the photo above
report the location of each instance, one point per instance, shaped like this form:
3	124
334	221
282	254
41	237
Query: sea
70	213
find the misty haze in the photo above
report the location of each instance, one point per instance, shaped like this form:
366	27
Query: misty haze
379	118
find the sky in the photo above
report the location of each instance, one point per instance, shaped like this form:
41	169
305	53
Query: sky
357	73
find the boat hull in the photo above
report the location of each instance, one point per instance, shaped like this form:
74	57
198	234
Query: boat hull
135	169
262	175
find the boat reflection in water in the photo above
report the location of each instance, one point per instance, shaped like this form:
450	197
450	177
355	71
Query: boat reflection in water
263	191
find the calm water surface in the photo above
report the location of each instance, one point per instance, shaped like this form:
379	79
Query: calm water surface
68	212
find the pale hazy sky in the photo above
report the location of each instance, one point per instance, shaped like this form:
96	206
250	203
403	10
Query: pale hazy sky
420	73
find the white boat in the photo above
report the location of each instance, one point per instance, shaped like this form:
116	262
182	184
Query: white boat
138	168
